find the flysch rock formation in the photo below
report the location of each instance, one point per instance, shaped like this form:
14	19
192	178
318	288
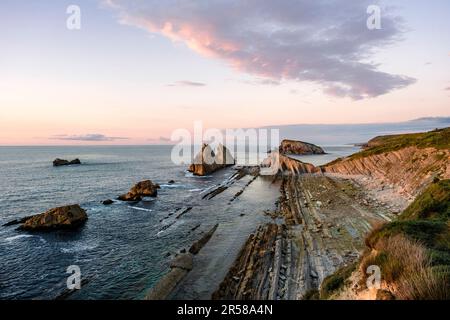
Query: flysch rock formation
180	266
322	218
279	164
207	161
299	148
142	189
66	217
323	228
409	169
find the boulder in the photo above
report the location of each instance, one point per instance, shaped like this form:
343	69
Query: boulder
207	161
142	189
67	217
61	162
299	148
108	202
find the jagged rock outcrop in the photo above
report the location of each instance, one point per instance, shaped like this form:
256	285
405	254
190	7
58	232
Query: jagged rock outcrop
67	217
142	189
299	147
61	162
207	161
276	164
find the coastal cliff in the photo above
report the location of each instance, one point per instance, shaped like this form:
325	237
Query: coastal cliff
408	162
312	244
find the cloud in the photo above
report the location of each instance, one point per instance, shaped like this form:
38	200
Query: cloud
447	89
186	83
321	41
86	137
161	139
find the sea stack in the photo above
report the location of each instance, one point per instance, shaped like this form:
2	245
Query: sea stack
207	161
142	189
61	162
299	148
66	217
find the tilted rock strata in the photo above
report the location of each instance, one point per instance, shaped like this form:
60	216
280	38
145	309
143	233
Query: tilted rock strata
277	163
410	169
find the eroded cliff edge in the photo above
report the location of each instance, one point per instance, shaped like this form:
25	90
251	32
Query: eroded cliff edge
408	162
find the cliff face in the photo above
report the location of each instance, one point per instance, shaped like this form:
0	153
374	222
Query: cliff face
408	162
299	147
410	168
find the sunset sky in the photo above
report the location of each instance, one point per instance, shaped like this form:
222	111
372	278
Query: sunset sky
137	70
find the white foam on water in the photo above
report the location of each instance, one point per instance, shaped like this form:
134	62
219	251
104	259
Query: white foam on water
21	236
148	199
172	186
142	209
24	236
78	247
191	175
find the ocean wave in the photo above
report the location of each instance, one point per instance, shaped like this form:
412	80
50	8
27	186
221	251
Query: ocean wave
195	190
78	247
141	209
23	236
191	175
172	186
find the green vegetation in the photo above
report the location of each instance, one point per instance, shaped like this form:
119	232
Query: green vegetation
336	281
439	139
412	252
432	204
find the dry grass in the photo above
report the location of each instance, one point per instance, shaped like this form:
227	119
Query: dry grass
406	267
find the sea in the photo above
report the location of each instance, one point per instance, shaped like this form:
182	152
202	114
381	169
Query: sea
123	249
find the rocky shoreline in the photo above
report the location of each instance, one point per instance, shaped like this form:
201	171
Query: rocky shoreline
318	225
283	233
322	217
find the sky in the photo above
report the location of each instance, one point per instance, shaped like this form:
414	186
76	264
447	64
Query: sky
137	70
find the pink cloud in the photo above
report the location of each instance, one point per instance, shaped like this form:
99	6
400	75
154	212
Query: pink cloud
322	41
